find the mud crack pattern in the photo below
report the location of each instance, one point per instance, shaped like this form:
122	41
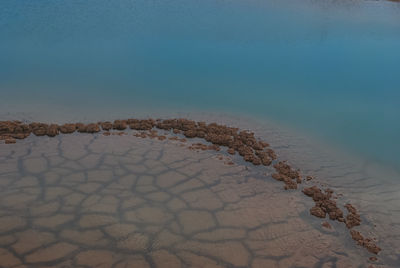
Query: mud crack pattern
123	201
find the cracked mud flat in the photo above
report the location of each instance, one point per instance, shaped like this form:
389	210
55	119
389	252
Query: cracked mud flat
120	201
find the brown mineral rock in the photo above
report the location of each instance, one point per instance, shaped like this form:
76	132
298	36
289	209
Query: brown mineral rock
309	178
106	133
285	169
198	146
351	208
152	134
245	150
289	183
90	128
264	157
257	146
286	174
68	128
278	177
120	124
257	162
365	242
373	258
314	192
318	212
140	135
220	139
52	130
231	151
161	138
22	129
14	129
39	129
356	235
322	200
214	147
248	157
247	138
81	127
331	208
10	141
243	142
326	225
371	246
136	124
7	127
264	144
190	133
352	218
271	154
106	125
20	136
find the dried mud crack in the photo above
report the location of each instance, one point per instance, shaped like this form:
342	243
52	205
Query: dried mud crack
236	141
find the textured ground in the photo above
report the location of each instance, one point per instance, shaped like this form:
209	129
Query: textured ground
121	201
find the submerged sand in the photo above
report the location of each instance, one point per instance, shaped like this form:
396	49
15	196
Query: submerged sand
122	201
89	200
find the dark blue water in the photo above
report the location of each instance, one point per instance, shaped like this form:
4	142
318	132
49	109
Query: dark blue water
330	68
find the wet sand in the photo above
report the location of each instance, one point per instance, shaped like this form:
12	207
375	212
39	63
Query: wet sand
93	200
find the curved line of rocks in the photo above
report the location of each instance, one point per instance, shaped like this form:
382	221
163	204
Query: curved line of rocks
244	142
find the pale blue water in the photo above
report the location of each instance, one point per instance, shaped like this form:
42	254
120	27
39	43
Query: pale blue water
331	68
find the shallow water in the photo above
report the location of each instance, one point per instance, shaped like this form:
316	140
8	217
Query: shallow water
327	67
122	201
84	199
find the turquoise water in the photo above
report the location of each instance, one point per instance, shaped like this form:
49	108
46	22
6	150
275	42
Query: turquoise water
330	68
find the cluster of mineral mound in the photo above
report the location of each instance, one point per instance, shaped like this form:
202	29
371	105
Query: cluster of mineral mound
324	205
243	142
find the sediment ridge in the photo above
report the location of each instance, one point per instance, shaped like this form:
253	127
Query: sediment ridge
243	142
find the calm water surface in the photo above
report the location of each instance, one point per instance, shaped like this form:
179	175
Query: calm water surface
329	68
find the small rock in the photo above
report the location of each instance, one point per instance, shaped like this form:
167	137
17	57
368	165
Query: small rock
231	151
120	124
52	130
10	141
353	218
68	128
365	242
106	125
326	225
92	128
39	129
317	212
